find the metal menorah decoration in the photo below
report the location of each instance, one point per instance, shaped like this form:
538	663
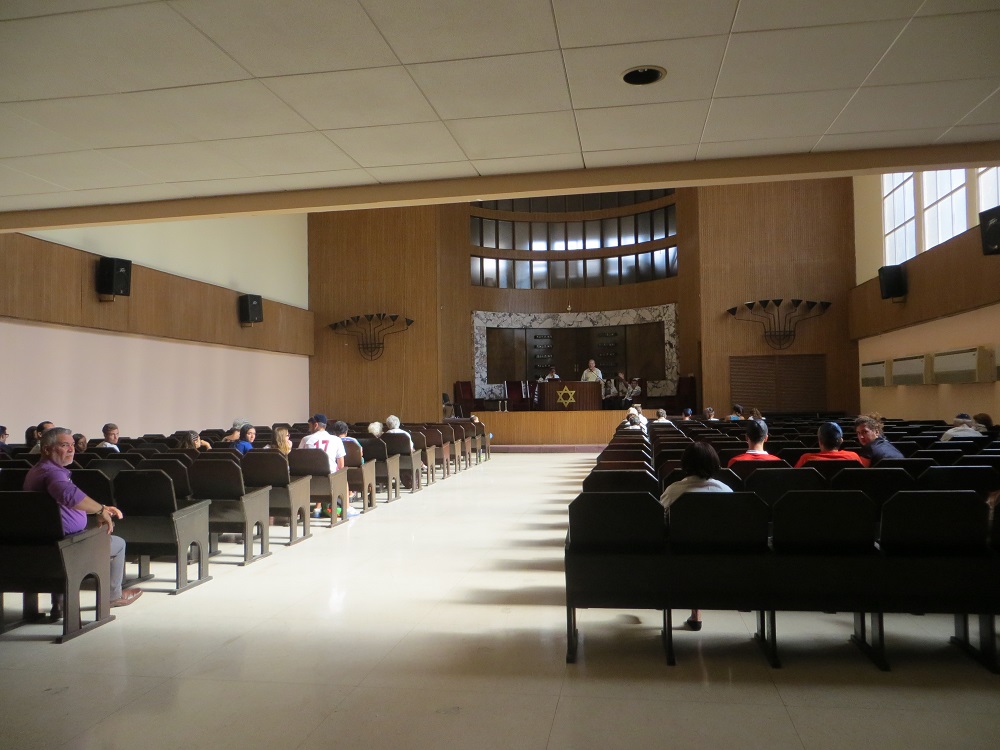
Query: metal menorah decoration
371	331
778	317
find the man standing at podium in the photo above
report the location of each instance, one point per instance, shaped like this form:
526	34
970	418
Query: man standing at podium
592	374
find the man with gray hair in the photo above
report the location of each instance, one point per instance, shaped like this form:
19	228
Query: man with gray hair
51	476
962	427
392	425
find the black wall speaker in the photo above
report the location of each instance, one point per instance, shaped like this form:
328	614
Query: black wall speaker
892	281
114	277
989	227
251	309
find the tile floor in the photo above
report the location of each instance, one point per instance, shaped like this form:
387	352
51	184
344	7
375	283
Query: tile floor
438	622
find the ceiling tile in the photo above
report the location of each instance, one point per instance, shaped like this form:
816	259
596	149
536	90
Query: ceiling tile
943	7
355	98
107	51
628	157
318	180
988	112
394	145
428	30
943	48
763	147
814	59
972	133
292	36
889	139
447	171
212	112
692	65
589	23
179	162
756	15
773	115
284	154
913	106
516	135
522	164
80	170
22	137
487	86
28	8
671	124
16	182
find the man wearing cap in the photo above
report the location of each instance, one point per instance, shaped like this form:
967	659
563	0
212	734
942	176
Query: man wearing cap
962	427
51	476
830	438
318	437
756	436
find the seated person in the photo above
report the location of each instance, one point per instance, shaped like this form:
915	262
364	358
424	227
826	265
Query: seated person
830	438
736	414
281	442
686	413
609	395
392	425
982	419
699	462
51	476
247	435
642	417
632	423
661	417
552	374
320	439
874	445
375	429
756	436
80	442
110	431
963	427
189	439
340	429
710	414
5	450
632	392
36	443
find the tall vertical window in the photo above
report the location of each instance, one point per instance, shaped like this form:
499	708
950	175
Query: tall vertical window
924	209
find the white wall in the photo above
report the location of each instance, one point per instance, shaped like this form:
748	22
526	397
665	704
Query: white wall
869	252
265	255
80	378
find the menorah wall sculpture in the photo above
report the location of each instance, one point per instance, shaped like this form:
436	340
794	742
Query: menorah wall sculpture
371	331
778	317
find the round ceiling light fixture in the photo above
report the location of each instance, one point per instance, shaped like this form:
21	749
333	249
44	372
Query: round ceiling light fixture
643	75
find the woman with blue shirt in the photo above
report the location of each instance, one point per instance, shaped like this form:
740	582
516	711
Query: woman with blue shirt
247	436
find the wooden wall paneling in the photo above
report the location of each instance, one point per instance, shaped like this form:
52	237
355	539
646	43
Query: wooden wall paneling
952	278
777	240
52	283
552	428
375	261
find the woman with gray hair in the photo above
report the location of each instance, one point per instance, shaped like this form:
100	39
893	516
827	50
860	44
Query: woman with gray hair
392	423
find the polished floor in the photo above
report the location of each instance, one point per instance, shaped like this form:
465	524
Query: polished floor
438	622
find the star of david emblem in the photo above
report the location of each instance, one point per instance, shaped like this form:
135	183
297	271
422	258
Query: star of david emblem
566	396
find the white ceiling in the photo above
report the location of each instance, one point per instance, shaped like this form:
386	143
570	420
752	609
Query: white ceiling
112	101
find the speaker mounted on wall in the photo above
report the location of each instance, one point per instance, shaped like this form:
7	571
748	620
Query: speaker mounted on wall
114	278
989	227
251	310
892	282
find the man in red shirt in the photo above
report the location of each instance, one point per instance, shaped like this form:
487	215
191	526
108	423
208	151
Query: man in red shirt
830	439
756	436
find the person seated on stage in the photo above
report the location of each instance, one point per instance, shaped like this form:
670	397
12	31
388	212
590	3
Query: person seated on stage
756	436
36	444
699	462
736	414
661	417
686	414
830	438
552	374
110	431
392	423
80	442
710	414
632	392
247	435
591	374
51	476
874	445
609	395
963	427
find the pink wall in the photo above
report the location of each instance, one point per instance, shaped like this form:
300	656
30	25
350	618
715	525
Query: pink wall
81	378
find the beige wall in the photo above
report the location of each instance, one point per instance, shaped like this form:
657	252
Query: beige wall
265	255
81	378
869	247
977	328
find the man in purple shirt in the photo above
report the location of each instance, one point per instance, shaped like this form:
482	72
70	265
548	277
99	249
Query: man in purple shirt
51	476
